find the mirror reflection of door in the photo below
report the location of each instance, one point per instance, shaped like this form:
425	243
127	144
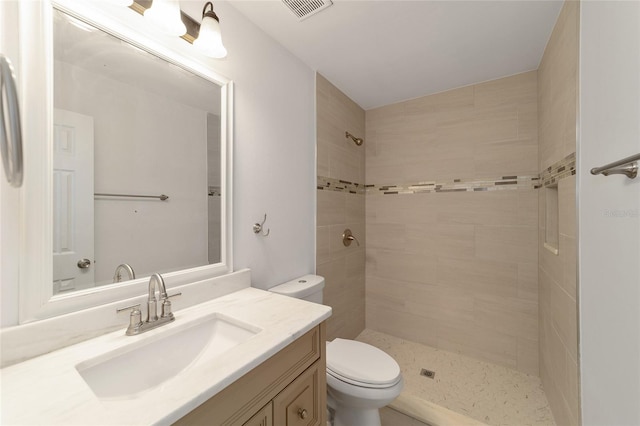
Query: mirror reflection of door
73	240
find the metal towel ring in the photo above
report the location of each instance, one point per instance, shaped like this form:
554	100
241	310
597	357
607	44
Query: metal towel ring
10	144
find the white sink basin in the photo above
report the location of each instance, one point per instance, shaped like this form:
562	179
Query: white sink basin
146	363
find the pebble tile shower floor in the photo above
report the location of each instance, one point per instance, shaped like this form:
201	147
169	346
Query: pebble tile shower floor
489	393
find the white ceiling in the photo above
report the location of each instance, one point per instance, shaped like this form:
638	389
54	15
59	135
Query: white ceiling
382	52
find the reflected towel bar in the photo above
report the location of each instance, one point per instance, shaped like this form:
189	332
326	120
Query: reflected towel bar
161	196
630	168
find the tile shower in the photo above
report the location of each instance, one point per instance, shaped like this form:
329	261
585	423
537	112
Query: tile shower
455	223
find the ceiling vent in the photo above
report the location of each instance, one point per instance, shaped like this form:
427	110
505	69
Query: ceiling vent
305	8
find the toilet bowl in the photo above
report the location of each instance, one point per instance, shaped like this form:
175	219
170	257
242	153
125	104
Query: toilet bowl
360	378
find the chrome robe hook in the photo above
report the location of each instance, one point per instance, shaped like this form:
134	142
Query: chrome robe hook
258	227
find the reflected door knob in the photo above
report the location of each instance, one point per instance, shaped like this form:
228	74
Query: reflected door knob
302	413
84	263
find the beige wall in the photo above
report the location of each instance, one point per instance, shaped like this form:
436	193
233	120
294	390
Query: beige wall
339	159
457	270
557	97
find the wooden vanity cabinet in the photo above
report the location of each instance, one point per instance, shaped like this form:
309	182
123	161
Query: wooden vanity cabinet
288	389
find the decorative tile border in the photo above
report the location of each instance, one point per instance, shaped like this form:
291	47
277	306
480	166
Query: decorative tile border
549	177
559	170
330	184
457	185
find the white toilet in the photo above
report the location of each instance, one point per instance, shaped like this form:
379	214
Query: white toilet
360	378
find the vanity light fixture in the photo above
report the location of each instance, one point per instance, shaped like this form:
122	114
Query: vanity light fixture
166	15
209	39
205	37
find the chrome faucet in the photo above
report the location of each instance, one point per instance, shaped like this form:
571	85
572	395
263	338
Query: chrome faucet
136	325
117	277
156	280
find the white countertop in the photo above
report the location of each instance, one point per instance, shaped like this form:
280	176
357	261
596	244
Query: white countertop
49	390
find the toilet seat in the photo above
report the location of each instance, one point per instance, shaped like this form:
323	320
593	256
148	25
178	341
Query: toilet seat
361	364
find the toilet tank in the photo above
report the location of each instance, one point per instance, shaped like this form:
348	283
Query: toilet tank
308	287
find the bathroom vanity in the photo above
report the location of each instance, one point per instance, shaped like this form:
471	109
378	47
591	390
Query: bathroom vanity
248	357
287	389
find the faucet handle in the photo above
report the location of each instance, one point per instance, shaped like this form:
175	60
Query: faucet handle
135	319
166	306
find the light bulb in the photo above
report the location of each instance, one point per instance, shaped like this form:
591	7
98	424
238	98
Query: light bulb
165	14
209	39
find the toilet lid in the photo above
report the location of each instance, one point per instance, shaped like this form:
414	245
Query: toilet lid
361	363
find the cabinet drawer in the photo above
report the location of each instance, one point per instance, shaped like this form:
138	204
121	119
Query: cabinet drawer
264	417
299	403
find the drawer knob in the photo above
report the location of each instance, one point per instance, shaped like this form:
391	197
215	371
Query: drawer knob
302	413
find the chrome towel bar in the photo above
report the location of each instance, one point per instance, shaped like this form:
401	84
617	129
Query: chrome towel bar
161	196
627	166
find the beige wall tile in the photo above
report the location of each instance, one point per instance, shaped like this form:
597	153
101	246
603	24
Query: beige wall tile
495	124
431	258
322	160
528	207
478	276
557	358
404	325
557	85
384	174
544	296
401	266
339	158
438	239
323	244
557	106
567	206
510	157
451	100
355	208
528	121
507	243
355	264
550	262
332	207
527	360
572	394
389	236
516	89
560	408
418	208
569	259
528	281
564	319
485	344
499	208
401	208
334	275
337	248
508	315
444	305
345	165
